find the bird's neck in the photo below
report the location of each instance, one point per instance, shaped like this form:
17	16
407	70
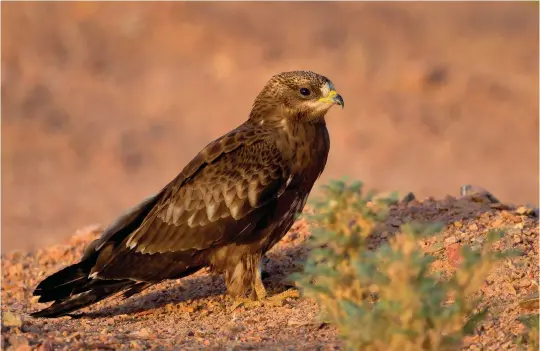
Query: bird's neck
277	116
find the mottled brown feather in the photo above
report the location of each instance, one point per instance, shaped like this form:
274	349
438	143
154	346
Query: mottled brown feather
223	188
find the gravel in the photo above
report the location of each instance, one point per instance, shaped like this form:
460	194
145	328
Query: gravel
194	313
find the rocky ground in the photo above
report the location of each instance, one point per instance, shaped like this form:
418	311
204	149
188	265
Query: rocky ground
194	313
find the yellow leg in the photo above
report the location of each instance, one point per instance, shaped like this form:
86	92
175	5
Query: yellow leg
258	296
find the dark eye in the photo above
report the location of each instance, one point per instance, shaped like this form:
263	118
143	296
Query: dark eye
304	91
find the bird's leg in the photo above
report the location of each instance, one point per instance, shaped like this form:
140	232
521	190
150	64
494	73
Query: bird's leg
259	295
258	292
275	300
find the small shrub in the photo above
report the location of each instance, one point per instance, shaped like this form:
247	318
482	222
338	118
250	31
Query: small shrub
530	337
388	298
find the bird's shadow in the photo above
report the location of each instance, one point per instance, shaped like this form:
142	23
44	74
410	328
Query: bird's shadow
278	264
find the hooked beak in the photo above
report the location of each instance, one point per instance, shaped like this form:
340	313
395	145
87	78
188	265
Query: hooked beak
333	98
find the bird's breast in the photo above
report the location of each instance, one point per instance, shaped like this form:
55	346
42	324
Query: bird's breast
306	147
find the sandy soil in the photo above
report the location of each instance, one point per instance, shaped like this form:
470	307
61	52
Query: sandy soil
104	103
195	314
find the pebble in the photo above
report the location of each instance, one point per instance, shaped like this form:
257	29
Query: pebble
524	211
479	240
23	348
524	283
45	346
143	333
17	341
10	319
498	223
473	227
451	240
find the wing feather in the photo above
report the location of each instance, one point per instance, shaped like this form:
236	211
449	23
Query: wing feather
215	203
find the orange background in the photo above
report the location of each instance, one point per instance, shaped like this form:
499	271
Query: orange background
103	103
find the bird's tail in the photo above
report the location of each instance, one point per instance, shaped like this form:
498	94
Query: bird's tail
72	289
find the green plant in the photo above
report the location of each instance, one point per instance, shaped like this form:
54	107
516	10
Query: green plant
530	337
388	298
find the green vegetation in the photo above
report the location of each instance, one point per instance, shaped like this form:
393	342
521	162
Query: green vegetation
530	337
388	298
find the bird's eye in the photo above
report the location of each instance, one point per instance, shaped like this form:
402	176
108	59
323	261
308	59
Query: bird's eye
304	91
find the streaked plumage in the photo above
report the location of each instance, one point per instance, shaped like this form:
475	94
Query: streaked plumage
236	199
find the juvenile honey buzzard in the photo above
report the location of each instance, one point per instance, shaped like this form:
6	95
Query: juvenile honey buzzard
235	200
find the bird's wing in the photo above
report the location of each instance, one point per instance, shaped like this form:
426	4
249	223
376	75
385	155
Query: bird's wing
218	197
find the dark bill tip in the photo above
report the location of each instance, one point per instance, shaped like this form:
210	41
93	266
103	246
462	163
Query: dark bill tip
339	100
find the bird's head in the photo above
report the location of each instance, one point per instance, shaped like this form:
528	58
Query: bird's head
304	96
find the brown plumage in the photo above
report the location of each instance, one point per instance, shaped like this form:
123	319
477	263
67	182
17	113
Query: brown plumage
236	199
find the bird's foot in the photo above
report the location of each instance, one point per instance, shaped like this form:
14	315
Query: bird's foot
279	299
247	303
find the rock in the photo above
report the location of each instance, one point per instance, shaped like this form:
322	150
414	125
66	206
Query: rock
142	333
22	348
473	227
451	240
497	223
10	319
408	198
454	255
46	346
530	302
526	211
18	342
478	194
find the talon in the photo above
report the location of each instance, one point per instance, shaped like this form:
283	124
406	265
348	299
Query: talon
279	299
247	303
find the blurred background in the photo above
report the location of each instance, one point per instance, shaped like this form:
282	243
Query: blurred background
104	103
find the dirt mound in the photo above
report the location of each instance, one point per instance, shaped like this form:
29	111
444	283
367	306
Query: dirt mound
104	103
193	314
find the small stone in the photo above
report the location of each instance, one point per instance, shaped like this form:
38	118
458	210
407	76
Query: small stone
458	224
451	240
45	346
23	348
524	283
408	198
524	211
529	302
479	240
295	322
498	223
143	333
17	341
473	227
10	319
454	255
517	239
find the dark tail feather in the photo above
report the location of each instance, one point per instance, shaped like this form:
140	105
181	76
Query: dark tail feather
94	294
63	283
71	289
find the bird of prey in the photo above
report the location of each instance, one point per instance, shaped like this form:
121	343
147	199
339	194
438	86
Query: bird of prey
234	201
